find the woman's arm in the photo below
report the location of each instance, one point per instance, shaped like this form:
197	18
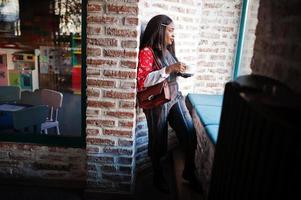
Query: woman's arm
155	77
146	74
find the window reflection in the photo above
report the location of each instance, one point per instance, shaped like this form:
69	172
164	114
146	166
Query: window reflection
40	53
9	17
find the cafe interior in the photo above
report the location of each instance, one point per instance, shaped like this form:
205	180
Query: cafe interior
40	67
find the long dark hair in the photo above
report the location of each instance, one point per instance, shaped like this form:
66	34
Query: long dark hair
154	36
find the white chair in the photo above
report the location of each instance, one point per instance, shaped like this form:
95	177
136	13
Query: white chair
54	101
31	98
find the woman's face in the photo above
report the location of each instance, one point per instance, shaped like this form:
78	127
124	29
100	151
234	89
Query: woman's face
169	34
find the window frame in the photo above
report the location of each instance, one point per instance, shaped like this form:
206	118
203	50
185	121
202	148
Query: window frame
241	39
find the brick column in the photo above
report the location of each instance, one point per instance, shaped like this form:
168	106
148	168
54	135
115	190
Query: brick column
111	94
277	47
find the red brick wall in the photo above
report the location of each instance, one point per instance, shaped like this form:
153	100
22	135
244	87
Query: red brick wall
219	24
277	47
112	40
35	161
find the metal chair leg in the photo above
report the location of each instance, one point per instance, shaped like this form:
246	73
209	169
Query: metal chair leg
58	130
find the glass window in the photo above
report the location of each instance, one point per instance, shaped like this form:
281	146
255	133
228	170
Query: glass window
41	66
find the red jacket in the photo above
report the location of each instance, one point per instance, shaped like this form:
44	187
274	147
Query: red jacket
145	66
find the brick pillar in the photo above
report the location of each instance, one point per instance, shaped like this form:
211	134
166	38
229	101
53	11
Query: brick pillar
277	47
111	94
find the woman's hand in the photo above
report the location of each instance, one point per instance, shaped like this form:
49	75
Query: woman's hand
176	68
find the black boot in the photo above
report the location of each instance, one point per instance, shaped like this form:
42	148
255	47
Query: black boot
189	175
160	182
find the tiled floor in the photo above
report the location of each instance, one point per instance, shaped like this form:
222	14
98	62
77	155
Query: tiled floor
180	190
38	193
184	190
144	184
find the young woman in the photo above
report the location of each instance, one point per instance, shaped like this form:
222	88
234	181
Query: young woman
158	44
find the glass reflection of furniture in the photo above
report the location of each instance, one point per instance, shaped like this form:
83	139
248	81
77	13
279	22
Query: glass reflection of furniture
9	18
24	73
76	63
37	32
3	70
9	94
54	101
21	78
26	80
31	98
32	124
6	114
6	110
76	50
76	79
55	68
14	77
